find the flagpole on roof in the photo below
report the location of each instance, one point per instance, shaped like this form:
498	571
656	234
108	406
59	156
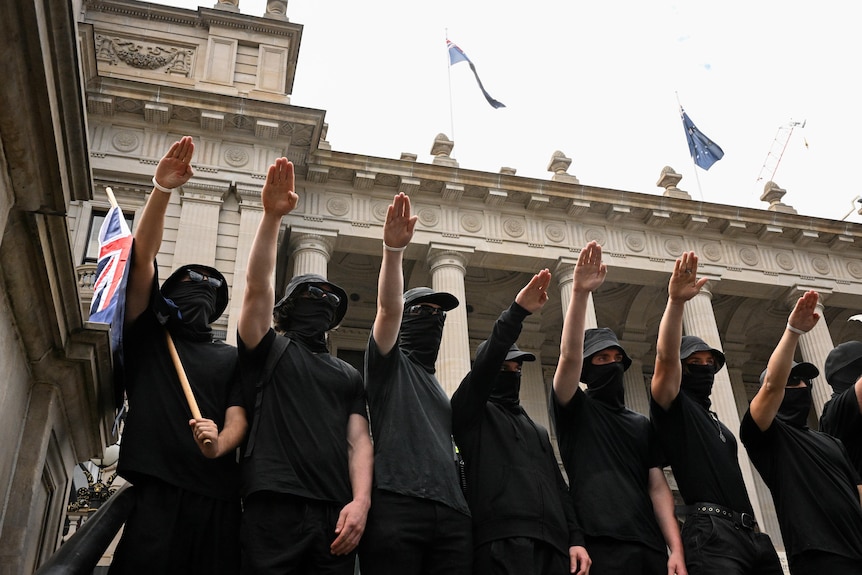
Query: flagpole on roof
449	75
693	162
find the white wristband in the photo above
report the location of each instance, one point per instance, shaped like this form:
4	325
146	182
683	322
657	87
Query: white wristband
391	249
161	188
792	329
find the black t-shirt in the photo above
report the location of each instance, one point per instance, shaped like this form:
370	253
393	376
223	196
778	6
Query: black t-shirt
157	440
301	443
813	486
608	454
411	422
702	452
842	419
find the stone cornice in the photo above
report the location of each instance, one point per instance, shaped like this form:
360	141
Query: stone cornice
550	198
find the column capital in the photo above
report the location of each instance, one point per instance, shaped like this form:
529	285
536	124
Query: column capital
307	239
796	291
204	193
249	197
565	267
442	255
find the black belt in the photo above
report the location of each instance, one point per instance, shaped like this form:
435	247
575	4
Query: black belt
743	519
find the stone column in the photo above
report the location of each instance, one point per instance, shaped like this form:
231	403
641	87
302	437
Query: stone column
815	346
448	265
699	319
534	395
311	251
197	232
563	272
737	356
637	396
250	214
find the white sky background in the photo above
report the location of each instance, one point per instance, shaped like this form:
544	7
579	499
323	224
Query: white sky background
599	82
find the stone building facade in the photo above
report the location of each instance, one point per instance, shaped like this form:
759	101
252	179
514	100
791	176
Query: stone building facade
151	74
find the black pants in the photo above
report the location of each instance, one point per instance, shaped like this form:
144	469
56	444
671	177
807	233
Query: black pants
173	531
412	536
614	557
822	563
287	535
716	546
519	556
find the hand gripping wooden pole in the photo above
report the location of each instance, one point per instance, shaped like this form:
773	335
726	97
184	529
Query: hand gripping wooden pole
184	381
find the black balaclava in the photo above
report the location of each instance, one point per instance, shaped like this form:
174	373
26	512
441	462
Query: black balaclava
697	381
308	321
506	390
795	406
420	337
196	302
605	383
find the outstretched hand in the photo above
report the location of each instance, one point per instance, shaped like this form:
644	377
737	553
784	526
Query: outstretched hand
683	284
278	195
399	225
804	317
590	272
534	295
175	168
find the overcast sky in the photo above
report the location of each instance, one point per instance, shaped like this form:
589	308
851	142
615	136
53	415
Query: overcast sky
598	81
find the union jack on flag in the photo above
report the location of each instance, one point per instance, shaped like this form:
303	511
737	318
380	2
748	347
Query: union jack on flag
115	244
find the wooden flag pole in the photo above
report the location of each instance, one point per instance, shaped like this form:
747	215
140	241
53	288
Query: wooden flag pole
184	381
111	197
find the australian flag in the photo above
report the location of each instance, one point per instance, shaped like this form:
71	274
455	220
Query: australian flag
456	55
703	151
115	244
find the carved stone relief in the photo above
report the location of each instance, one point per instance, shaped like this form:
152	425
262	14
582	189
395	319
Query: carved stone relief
143	55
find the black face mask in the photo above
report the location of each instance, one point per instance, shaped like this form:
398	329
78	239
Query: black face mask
196	302
795	406
420	337
308	321
507	389
697	382
605	383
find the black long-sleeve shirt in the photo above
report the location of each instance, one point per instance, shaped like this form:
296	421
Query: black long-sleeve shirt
514	484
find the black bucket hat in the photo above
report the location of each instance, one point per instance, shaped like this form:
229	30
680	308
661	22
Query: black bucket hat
221	292
800	370
515	354
417	295
691	344
597	339
294	285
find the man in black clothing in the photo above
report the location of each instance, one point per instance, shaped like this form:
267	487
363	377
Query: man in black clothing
842	414
186	514
307	464
817	493
523	519
610	453
419	523
720	535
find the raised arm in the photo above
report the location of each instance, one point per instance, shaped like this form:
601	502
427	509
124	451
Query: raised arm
397	233
683	286
589	274
278	198
764	407
174	170
663	508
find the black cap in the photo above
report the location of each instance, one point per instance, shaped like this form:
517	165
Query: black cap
800	370
597	339
314	279
691	344
221	292
843	355
417	295
515	354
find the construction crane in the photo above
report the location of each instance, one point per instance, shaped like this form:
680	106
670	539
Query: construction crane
779	144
